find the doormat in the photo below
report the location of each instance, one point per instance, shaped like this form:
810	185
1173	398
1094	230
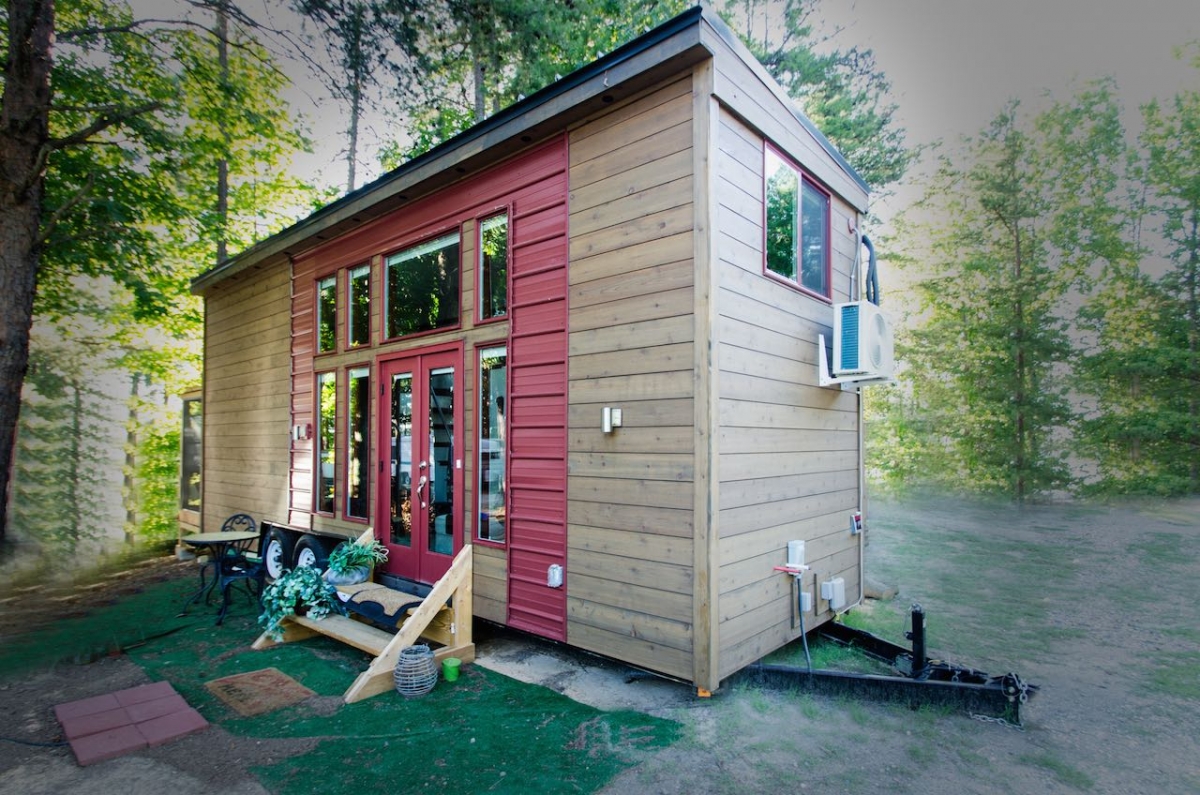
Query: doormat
256	692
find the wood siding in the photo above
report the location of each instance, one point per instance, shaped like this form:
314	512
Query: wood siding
630	493
789	456
246	420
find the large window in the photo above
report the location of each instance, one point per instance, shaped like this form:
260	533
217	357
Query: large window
327	314
358	399
326	441
192	442
422	287
797	226
493	388
358	290
493	266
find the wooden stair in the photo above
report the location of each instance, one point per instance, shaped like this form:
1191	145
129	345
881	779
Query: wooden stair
443	617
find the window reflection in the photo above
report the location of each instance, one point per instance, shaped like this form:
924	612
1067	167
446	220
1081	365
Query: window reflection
326	440
357	480
493	386
422	287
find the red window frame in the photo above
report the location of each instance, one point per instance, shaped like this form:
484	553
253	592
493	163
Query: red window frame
802	178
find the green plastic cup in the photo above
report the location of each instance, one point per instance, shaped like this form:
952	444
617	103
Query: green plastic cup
450	667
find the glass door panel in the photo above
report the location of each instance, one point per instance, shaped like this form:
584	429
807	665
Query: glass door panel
400	512
440	461
418	517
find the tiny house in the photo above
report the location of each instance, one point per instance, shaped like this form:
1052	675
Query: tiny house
581	336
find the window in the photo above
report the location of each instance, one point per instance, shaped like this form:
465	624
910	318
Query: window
326	440
327	314
358	297
358	397
493	266
191	443
422	287
797	226
493	387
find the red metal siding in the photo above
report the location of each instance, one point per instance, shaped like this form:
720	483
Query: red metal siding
538	399
534	185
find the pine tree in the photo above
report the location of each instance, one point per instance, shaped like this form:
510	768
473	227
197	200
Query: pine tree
983	365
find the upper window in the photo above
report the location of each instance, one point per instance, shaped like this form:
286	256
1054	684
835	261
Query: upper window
358	296
327	314
493	266
192	443
797	226
422	287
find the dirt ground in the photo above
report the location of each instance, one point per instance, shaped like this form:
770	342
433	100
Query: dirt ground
1097	606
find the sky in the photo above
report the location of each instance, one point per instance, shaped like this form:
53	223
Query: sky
954	63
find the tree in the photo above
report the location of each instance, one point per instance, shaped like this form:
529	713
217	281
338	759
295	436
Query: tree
984	363
842	91
1171	404
479	57
99	166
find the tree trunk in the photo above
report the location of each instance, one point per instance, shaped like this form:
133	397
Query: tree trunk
24	136
129	492
223	161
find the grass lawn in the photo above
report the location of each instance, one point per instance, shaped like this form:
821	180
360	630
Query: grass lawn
485	733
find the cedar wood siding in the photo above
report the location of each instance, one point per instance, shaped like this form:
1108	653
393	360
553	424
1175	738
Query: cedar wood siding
246	422
789	452
630	494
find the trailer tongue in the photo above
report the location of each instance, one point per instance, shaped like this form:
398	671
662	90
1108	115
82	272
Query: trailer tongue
920	681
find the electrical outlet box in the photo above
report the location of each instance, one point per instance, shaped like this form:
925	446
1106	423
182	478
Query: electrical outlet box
795	553
834	592
806	605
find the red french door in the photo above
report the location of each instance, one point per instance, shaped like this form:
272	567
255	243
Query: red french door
420	463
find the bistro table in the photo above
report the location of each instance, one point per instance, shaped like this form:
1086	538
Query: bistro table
226	557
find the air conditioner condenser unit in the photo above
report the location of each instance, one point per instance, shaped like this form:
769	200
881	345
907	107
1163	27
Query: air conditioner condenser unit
862	341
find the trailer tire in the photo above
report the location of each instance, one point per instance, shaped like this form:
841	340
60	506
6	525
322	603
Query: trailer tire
310	552
278	547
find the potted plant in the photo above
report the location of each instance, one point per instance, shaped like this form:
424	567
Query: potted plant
351	562
301	591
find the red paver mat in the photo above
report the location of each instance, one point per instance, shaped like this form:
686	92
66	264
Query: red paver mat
108	726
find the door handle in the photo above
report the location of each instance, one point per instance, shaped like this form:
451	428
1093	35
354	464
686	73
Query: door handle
420	488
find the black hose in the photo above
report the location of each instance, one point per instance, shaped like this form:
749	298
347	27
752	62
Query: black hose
803	632
872	273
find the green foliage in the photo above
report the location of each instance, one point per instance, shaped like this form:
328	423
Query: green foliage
302	587
156	480
842	91
63	459
984	363
349	555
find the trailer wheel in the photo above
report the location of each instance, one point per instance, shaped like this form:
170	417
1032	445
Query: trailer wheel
277	553
311	552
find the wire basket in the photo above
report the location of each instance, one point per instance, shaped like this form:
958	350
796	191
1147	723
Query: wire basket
415	673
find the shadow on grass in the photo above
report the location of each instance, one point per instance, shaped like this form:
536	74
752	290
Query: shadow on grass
486	732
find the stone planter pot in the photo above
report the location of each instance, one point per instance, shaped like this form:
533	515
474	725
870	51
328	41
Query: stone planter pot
351	577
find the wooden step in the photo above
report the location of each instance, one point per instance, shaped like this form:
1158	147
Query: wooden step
347	630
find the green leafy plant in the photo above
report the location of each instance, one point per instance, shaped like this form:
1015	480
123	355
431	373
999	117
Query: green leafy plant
351	555
302	589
